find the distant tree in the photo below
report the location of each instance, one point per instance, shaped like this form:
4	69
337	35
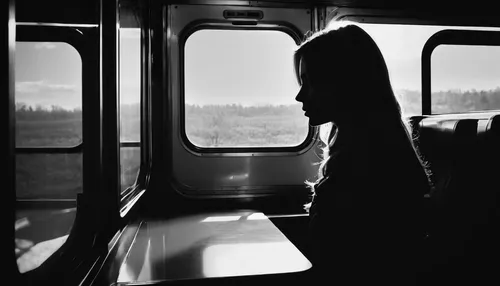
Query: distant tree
21	106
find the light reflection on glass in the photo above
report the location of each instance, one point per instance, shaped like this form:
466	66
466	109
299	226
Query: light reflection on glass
38	253
252	259
238	177
256	216
126	274
221	218
128	271
145	273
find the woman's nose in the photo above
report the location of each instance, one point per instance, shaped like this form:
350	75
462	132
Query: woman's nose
299	96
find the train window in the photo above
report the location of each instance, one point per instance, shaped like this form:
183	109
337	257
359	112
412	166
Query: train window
48	95
48	99
401	46
130	109
239	90
465	78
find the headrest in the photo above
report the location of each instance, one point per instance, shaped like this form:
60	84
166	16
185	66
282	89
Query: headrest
447	131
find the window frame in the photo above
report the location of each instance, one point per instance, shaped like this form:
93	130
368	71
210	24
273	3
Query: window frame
77	37
196	26
80	37
131	194
450	37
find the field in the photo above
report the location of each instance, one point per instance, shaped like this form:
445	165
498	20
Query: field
238	126
56	176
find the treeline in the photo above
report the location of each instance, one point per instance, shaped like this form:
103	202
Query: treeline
55	112
231	125
450	101
244	111
463	101
27	112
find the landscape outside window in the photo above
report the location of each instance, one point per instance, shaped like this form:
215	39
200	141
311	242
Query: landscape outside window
240	88
477	71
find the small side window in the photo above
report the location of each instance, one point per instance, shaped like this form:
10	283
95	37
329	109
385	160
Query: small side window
130	106
465	78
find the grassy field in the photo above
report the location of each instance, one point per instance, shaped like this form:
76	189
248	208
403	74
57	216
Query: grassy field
49	133
238	126
60	175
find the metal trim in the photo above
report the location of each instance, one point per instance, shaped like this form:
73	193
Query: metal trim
8	42
130	144
240	3
57	25
146	123
402	16
50	150
239	193
131	194
110	113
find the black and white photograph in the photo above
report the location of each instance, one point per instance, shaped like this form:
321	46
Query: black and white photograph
230	142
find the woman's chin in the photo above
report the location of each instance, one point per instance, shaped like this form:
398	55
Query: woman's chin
317	121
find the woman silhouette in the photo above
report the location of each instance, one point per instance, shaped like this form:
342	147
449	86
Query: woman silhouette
366	206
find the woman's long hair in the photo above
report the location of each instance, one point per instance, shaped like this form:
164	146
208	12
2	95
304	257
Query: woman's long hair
344	62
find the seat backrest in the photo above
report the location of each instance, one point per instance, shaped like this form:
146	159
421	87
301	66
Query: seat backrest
446	145
463	152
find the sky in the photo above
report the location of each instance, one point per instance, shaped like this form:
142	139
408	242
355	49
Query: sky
249	67
452	67
246	67
48	74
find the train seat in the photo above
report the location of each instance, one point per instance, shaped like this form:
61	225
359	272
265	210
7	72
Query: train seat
461	208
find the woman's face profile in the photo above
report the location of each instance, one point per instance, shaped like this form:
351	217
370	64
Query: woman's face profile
312	99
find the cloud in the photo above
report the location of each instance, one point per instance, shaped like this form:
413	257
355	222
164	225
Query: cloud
42	86
47	94
45	45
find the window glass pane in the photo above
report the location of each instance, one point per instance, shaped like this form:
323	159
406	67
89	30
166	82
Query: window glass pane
401	46
465	78
48	176
240	88
130	159
130	108
48	95
130	84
